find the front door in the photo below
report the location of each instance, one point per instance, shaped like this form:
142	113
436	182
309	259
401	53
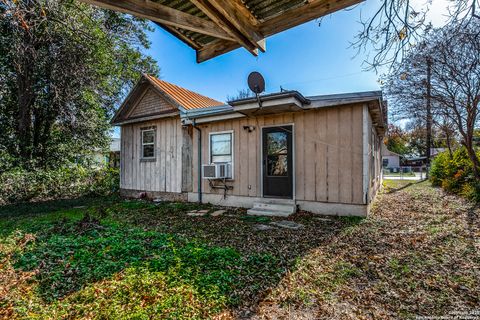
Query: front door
277	162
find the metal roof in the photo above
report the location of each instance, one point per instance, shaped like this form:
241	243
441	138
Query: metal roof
271	96
183	97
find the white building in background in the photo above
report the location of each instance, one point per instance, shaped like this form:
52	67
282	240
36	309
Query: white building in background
390	159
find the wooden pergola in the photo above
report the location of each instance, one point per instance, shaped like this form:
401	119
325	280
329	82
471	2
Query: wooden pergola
215	27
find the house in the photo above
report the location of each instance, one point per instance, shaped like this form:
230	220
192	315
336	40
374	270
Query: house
277	152
436	151
390	159
113	157
416	161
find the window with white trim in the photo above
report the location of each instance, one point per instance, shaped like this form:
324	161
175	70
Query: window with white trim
221	147
148	143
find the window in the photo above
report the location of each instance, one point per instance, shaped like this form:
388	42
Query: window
148	143
221	150
385	162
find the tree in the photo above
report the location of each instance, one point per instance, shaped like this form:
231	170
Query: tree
64	66
455	75
397	140
241	94
396	27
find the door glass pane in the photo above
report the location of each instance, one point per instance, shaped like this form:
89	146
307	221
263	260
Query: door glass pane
277	151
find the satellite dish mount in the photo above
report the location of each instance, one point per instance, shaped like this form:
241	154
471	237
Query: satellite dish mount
256	83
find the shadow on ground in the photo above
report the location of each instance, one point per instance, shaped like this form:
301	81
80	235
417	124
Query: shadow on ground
205	264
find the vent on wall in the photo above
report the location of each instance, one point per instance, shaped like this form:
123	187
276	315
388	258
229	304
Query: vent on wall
217	171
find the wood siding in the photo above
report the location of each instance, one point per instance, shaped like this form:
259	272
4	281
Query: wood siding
327	154
375	160
150	103
164	174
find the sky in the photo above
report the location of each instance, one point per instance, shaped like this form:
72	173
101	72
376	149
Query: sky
312	58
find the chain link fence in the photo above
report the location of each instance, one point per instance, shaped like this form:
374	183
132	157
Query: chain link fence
406	173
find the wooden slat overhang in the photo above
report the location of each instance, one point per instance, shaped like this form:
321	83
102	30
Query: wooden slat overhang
215	27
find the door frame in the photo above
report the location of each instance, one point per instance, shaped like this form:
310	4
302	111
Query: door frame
293	159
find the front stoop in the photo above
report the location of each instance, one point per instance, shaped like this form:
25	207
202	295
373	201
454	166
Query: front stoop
273	208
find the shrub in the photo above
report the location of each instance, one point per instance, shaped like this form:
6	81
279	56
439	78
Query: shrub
19	185
455	174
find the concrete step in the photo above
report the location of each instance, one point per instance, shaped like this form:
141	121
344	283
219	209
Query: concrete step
273	208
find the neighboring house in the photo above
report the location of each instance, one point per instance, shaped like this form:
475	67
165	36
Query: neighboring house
110	157
319	153
435	151
390	159
113	158
416	161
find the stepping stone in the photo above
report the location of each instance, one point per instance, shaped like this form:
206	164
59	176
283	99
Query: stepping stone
262	227
79	207
195	213
287	224
218	213
157	200
324	219
203	211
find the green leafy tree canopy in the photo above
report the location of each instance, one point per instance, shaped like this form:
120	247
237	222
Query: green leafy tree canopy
64	66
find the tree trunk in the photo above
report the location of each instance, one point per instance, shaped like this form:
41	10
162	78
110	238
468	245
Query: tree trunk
24	117
25	86
429	112
449	143
468	143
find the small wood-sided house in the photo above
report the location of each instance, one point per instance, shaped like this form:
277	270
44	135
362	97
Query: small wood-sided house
280	152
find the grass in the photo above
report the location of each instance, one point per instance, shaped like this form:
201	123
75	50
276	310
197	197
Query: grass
108	258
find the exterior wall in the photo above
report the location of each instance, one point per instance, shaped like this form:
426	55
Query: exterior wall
393	161
375	160
164	174
325	208
328	154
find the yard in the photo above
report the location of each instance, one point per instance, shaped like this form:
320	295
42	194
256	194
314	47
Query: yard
418	254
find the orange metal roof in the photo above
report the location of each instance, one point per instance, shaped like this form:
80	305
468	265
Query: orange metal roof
186	98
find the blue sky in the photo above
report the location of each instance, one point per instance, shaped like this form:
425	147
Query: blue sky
310	58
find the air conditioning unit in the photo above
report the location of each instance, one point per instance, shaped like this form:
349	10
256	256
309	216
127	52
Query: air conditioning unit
217	171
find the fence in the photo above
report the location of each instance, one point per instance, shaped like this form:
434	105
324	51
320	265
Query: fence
405	173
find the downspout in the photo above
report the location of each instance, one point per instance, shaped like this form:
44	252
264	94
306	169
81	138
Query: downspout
199	161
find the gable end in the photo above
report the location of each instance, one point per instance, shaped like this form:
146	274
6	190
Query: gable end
151	103
144	101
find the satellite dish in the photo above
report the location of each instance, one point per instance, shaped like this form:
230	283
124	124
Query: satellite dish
256	83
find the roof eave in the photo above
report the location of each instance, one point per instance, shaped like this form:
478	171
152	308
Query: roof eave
269	97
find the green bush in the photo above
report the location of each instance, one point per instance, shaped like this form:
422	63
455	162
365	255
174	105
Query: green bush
20	185
455	174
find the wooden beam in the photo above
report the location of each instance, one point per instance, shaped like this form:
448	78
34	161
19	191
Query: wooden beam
233	17
215	48
164	15
289	19
313	10
180	36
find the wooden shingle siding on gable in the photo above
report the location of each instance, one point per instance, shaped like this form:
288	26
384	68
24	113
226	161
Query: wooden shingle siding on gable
328	154
151	103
